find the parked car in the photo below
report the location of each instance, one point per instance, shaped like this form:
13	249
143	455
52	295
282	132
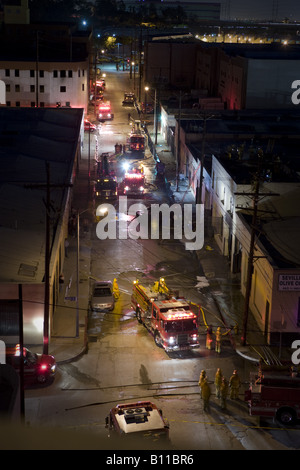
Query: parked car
39	368
102	296
89	126
146	108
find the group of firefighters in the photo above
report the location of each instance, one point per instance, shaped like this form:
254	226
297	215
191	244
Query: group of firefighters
222	386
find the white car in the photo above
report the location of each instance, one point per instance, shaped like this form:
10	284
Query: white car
102	296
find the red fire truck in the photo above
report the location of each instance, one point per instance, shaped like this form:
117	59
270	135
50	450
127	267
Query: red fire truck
136	142
166	316
133	183
275	393
104	112
140	419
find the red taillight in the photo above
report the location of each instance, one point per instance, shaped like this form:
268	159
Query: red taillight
44	366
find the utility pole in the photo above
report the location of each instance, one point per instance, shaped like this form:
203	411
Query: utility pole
199	194
256	196
47	265
48	187
37	71
178	144
21	341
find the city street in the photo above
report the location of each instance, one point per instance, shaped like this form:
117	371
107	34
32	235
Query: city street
123	363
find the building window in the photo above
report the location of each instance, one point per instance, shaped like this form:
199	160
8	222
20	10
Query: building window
8	103
32	88
32	73
42	89
32	104
17	88
82	87
62	74
55	73
63	89
41	73
18	104
7	87
17	73
70	73
78	73
7	72
42	104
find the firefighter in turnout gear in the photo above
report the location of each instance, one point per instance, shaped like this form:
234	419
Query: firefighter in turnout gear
115	289
218	340
209	337
223	393
218	381
205	394
202	377
234	384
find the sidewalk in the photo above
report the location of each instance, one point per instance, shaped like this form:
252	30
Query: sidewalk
69	332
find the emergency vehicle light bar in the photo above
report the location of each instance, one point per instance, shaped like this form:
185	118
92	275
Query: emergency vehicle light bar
133	175
180	316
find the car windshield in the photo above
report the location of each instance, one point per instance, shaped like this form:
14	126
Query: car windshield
137	139
102	292
183	325
30	356
106	185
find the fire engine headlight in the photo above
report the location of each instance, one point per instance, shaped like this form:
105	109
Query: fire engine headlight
194	337
142	188
172	340
126	188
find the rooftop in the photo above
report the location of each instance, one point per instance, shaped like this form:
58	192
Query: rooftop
30	138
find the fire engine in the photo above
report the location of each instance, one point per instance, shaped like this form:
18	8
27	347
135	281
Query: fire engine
141	419
129	99
136	142
104	112
166	316
133	183
275	393
106	188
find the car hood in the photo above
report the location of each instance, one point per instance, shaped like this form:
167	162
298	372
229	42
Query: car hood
45	358
102	300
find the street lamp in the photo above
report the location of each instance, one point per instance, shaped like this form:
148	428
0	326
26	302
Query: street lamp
133	65
146	91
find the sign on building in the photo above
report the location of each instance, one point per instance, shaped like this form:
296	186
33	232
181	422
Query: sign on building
289	282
